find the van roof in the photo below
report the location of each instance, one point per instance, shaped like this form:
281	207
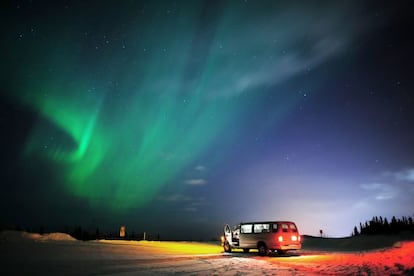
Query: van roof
269	221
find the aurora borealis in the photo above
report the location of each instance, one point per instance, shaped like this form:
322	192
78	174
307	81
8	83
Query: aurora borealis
205	112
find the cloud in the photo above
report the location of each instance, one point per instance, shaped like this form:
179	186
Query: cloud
200	168
196	182
184	203
175	198
405	175
381	191
281	45
391	184
239	77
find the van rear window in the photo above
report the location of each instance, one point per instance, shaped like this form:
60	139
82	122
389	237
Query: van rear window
288	227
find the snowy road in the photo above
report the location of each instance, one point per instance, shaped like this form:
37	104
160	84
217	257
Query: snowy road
36	256
93	260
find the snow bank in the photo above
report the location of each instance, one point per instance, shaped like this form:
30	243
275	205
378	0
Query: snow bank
57	237
16	236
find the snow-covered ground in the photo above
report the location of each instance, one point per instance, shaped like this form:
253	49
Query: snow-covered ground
59	254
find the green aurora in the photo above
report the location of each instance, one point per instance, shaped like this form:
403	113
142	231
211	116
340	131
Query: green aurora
126	156
124	108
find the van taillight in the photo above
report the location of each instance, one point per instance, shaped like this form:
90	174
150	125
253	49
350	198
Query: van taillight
280	238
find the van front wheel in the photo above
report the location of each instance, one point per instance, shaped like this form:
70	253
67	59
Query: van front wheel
227	247
262	249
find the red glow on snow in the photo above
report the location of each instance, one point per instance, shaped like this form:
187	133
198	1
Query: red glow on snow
397	260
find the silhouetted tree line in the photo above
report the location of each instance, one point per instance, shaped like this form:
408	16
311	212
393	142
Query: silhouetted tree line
84	234
381	226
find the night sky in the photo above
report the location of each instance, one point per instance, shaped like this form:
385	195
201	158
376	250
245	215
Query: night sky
176	117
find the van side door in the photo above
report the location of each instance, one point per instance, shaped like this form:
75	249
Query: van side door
246	236
228	234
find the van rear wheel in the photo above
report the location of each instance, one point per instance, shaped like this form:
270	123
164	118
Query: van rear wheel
262	249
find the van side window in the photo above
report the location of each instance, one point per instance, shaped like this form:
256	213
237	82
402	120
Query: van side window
261	228
246	228
285	227
274	229
293	227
